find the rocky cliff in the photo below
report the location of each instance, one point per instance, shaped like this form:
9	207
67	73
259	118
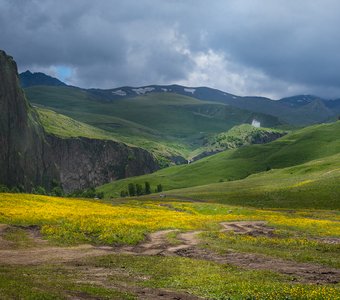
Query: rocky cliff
21	136
84	162
29	157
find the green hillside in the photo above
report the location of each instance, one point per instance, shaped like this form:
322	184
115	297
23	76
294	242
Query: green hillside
167	124
296	148
236	137
63	126
311	185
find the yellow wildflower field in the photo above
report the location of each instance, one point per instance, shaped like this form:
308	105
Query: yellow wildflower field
298	236
76	220
70	220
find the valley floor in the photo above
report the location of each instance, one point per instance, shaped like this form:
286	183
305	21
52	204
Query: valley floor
166	250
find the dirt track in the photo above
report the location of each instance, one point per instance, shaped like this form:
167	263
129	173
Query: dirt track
157	244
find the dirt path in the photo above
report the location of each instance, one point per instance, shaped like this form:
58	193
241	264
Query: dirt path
253	228
101	276
33	256
300	272
157	244
4	243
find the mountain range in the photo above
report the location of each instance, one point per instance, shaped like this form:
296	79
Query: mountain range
297	110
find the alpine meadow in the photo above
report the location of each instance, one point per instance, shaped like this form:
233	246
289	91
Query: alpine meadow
170	150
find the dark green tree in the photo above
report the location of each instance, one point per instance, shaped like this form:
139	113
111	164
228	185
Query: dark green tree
139	189
147	188
124	194
132	189
159	188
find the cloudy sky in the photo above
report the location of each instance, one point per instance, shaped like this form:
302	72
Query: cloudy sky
272	48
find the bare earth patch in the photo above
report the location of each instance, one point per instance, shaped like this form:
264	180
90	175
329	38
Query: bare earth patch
157	244
4	244
254	228
101	276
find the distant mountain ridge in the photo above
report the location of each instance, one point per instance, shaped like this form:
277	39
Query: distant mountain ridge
28	79
296	110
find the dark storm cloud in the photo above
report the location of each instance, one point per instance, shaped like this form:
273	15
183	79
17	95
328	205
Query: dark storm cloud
265	47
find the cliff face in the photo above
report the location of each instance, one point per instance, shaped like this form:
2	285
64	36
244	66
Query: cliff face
29	157
21	136
84	162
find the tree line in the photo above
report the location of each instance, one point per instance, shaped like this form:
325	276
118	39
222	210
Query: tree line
55	190
136	189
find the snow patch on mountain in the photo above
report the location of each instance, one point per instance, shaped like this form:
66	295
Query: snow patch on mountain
142	91
192	91
119	93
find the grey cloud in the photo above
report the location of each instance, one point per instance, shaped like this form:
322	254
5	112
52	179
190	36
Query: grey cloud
289	46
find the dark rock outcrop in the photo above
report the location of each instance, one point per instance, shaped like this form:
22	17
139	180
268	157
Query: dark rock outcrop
21	136
29	157
84	162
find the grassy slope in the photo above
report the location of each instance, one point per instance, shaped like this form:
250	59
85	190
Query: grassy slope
63	126
295	148
311	185
164	122
236	137
298	237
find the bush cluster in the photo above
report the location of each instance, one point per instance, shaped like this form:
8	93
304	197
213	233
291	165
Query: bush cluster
88	193
136	189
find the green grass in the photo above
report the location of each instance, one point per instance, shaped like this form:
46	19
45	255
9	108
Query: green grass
236	137
286	244
63	126
18	238
213	281
298	237
51	282
299	147
311	185
201	278
169	114
169	125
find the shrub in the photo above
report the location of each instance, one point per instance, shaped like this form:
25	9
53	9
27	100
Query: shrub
57	191
100	195
132	189
4	188
159	188
147	188
15	189
40	190
124	194
139	189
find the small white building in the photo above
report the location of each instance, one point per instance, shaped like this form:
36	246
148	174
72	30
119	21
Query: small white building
256	123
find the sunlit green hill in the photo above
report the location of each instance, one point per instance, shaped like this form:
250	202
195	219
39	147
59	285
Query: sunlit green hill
299	147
